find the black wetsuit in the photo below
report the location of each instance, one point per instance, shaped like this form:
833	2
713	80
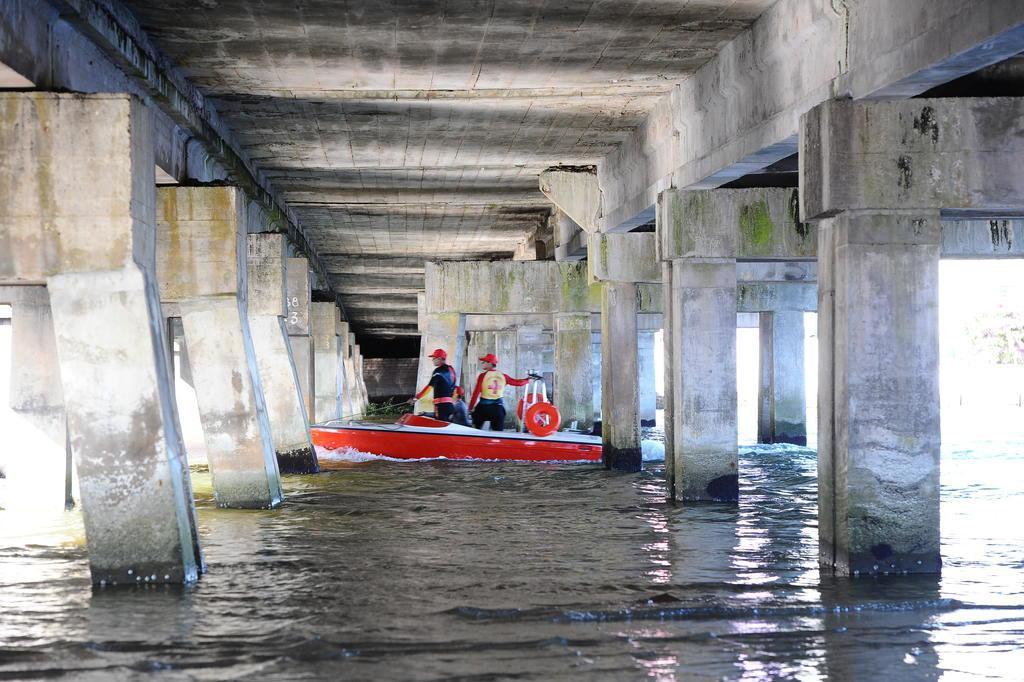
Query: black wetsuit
443	382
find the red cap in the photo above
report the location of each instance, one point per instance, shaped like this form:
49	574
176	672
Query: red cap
491	358
439	353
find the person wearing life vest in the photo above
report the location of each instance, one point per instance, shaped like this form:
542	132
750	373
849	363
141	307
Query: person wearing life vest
487	404
443	383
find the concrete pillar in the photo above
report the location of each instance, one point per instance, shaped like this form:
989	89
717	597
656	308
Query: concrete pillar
446	331
289	423
874	176
782	401
878	396
529	350
297	326
703	379
673	466
595	352
351	379
364	398
574	370
345	389
620	414
37	399
323	322
646	378
77	214
201	259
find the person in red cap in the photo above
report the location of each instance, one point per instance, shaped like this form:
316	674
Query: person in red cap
443	383
487	403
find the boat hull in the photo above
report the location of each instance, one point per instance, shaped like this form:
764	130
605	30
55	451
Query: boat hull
454	442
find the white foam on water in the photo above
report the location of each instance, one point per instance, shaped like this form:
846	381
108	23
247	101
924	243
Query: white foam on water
653	450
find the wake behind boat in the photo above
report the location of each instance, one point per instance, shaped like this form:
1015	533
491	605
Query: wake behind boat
420	437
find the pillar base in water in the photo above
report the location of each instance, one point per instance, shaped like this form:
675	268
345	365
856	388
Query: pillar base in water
648	423
882	561
298	461
623	459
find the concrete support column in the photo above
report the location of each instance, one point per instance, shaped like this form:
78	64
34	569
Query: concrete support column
448	332
574	370
202	262
646	378
782	400
878	397
77	214
297	326
595	353
364	398
874	176
289	423
323	323
702	346
620	414
345	389
45	474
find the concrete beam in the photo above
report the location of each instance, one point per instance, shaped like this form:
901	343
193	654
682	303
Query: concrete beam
958	155
519	288
750	224
624	258
576	192
797	55
996	238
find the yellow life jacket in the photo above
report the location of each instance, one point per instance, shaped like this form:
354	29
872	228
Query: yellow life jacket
493	385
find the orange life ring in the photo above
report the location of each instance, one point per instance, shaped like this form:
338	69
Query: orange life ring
522	405
543	419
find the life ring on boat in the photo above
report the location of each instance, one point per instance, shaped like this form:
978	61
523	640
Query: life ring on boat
522	405
543	419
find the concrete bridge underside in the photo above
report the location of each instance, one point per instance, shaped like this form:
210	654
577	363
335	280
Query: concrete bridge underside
290	187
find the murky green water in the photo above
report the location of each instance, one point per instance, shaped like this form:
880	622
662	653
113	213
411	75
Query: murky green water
383	570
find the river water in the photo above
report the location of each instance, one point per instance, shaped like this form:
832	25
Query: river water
441	570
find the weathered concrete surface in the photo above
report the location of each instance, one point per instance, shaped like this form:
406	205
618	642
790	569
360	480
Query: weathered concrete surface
236	427
573	394
576	192
77	212
37	398
624	258
620	417
648	396
751	224
99	47
995	238
570	239
923	154
740	112
520	288
297	302
390	378
323	324
267	295
878	398
702	345
202	264
782	400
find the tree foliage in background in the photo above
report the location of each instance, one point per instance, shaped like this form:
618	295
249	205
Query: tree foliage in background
999	335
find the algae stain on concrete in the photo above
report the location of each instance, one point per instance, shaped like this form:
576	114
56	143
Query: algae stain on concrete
756	228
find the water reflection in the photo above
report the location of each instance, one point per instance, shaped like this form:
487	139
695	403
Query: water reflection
381	570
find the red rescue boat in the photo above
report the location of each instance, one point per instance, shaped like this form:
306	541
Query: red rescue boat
419	437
